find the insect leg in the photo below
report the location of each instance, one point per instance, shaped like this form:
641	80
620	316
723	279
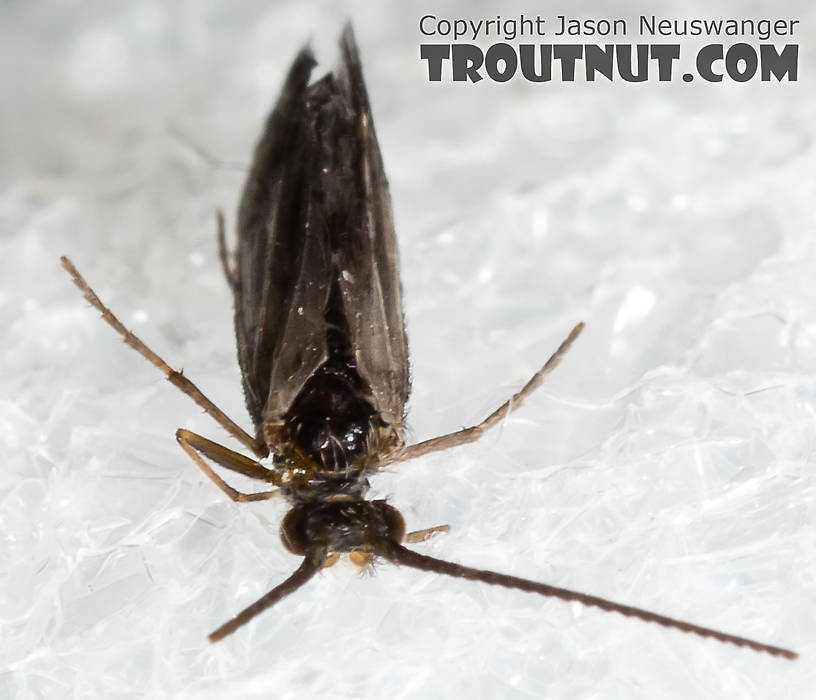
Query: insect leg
312	563
175	377
426	534
462	437
195	445
223	254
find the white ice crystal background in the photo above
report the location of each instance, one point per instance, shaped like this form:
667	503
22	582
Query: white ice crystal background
668	463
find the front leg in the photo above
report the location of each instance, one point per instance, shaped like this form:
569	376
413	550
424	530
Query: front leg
195	445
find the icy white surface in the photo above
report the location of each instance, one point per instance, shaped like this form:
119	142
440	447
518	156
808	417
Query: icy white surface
669	463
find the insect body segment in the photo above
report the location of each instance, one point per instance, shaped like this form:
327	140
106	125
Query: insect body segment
332	425
342	526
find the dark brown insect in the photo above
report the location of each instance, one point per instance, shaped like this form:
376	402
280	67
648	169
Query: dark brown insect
322	345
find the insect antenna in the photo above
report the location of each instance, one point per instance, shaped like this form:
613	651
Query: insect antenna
312	563
406	557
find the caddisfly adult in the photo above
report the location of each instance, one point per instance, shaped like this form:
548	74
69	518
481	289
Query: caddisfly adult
322	344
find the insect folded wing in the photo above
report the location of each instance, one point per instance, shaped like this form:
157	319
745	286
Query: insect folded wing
315	216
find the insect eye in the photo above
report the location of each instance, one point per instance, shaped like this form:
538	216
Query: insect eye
395	523
293	531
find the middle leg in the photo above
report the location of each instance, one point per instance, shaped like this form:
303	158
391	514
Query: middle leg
466	435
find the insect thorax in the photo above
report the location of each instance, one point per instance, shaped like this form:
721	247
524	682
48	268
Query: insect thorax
331	436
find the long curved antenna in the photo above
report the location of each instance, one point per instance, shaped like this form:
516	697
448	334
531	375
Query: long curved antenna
400	555
312	563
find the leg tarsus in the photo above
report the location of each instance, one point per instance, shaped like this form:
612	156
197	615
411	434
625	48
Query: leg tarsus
223	253
426	534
